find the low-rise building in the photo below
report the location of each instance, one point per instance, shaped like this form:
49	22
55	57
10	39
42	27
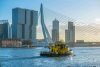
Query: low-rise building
11	43
79	41
27	43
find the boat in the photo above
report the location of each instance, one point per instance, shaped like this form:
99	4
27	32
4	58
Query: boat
57	49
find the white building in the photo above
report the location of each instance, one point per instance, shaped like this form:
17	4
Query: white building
11	43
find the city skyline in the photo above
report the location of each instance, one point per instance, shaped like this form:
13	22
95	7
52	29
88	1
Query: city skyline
49	33
86	12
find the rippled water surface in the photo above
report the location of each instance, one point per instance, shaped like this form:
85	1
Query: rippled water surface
29	57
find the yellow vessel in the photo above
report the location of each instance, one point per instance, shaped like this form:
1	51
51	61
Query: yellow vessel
58	48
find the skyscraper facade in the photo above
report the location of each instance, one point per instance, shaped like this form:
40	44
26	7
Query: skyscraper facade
55	31
70	34
24	22
4	29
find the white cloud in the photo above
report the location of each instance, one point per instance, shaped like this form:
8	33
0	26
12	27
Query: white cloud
97	19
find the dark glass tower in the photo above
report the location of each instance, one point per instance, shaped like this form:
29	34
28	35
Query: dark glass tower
4	29
24	23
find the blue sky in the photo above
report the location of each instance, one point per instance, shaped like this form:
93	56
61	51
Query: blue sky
83	10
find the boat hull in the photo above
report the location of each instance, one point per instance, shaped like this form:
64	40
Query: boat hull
49	54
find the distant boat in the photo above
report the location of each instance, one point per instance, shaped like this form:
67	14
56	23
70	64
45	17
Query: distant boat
57	49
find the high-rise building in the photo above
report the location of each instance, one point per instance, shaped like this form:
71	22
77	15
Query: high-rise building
55	31
4	29
24	22
70	34
67	36
10	32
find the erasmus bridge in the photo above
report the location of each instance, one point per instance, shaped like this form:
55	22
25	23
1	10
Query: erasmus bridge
83	31
47	37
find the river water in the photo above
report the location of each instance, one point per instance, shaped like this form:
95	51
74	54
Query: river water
29	57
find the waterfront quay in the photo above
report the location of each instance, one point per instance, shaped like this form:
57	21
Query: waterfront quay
15	43
21	43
